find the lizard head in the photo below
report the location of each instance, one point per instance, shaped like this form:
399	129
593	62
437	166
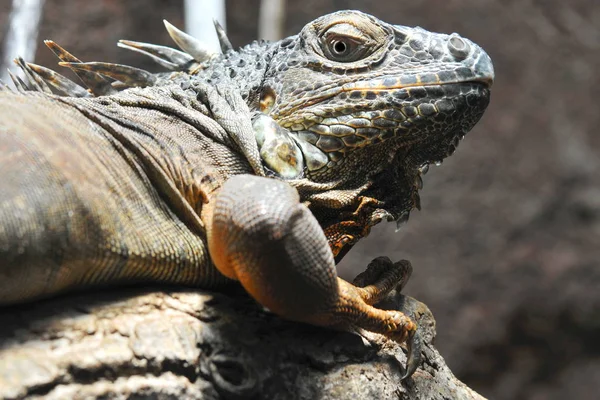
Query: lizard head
371	105
350	86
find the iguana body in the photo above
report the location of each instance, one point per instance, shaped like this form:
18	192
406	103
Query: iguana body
166	183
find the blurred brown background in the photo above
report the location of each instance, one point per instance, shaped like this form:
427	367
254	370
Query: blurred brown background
507	246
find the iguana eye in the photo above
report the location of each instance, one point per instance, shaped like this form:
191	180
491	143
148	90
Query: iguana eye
344	49
344	43
339	48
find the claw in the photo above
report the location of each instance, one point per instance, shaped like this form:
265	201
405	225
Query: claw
414	345
129	75
188	43
164	56
222	36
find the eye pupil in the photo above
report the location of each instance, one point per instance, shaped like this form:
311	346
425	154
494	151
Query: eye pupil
339	47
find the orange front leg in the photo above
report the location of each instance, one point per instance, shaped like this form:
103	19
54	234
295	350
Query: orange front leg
261	235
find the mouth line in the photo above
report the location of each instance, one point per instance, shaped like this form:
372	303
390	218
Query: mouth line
485	83
349	87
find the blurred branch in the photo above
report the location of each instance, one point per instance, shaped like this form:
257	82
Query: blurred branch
199	15
270	20
21	38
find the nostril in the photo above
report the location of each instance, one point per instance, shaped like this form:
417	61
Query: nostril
458	47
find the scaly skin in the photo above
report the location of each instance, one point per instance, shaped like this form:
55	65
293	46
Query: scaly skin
167	183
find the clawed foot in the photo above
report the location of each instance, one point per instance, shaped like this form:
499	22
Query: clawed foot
373	285
381	277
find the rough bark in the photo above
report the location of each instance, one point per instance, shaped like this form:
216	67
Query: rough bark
182	343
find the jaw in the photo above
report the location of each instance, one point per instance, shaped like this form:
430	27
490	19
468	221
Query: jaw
398	185
427	121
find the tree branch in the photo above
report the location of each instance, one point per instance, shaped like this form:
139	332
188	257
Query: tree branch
193	344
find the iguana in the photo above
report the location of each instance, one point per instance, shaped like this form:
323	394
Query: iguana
262	165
